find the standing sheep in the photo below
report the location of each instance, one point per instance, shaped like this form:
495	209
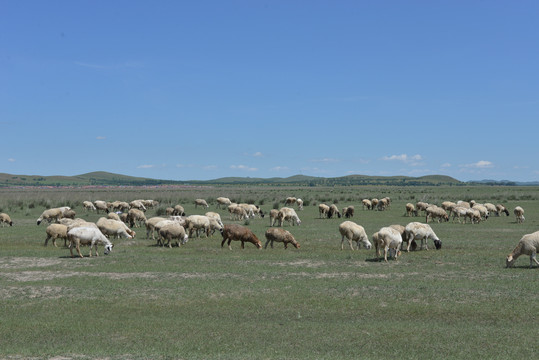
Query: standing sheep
239	233
111	227
528	245
323	210
201	202
502	209
274	216
196	223
89	206
410	210
5	219
289	215
87	236
353	232
299	202
280	235
367	204
173	231
136	217
223	201
50	215
348	212
101	205
423	232
55	231
334	211
388	238
519	214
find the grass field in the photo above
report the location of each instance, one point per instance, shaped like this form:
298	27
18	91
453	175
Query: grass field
203	302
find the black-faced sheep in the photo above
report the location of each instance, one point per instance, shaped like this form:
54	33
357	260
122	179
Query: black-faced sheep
5	219
528	245
239	233
323	210
334	211
348	212
423	232
502	209
353	232
87	236
280	235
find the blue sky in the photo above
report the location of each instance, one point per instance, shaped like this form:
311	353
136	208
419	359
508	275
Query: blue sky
196	90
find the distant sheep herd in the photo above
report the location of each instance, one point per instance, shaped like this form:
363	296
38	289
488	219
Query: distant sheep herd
177	228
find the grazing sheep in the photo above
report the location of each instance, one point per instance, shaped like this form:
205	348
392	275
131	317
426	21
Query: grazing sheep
201	202
223	201
383	204
289	215
5	219
178	211
69	214
135	217
502	209
421	206
113	216
169	211
519	214
448	205
280	235
137	204
89	206
333	210
323	210
196	223
274	216
388	238
161	224
435	212
215	224
111	227
491	208
423	232
410	210
290	201
348	212
50	215
374	202
173	231
299	202
252	210
528	245
367	204
237	212
87	236
119	206
458	212
465	204
56	231
150	225
101	205
353	232
483	211
239	233
402	230
474	215
214	215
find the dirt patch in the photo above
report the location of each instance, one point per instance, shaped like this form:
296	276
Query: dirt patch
33	292
26	262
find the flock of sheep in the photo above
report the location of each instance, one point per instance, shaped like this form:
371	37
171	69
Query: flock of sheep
176	226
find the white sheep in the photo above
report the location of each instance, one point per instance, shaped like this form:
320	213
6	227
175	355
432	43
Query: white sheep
223	201
216	216
5	219
237	212
502	209
348	212
201	202
458	212
383	204
120	206
136	217
274	216
288	214
196	223
435	212
50	214
116	228
178	210
367	204
173	231
388	238
410	210
474	215
159	225
299	202
101	205
483	211
56	231
421	206
491	208
528	245
113	216
374	202
290	200
280	235
150	225
323	210
354	232
88	236
519	214
137	204
334	211
423	232
89	206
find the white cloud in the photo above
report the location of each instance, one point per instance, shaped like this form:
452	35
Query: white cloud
446	165
280	168
243	167
101	137
145	166
210	167
326	160
482	164
403	157
11	160
257	154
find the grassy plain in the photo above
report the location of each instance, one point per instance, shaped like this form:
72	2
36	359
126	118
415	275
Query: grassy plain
203	302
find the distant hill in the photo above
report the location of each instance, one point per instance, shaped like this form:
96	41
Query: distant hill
101	178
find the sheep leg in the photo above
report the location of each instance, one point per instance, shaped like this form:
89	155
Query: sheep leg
342	243
533	258
386	248
222	242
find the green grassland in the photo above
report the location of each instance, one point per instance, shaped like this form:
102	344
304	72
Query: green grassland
201	301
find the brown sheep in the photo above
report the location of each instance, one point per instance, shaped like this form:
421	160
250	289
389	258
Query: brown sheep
280	235
239	233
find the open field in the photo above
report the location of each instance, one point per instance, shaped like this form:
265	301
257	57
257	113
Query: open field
203	302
